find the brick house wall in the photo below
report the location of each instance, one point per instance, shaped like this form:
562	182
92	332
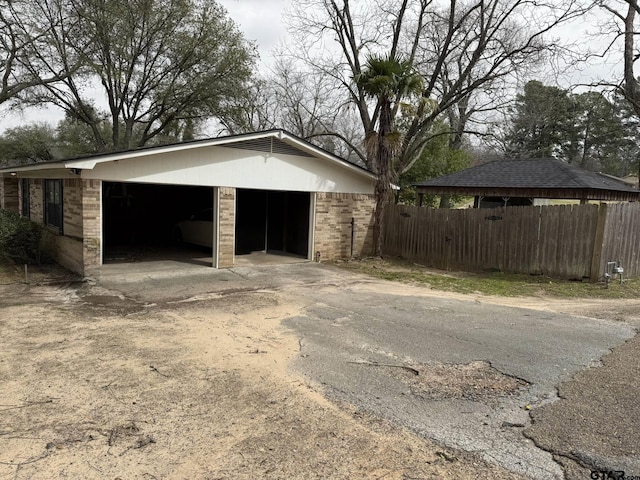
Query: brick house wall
9	198
227	226
78	249
68	251
333	225
72	208
36	212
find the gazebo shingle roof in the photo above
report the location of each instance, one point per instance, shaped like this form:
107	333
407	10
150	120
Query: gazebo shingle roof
540	177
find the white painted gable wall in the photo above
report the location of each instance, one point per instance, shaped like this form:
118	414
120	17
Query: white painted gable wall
231	167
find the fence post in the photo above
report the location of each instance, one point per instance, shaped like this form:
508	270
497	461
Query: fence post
598	242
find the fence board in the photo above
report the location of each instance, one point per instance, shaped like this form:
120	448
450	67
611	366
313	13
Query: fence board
557	241
622	239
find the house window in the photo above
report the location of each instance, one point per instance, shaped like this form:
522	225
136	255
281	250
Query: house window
24	192
53	204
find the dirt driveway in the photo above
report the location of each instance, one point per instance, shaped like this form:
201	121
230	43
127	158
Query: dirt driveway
189	377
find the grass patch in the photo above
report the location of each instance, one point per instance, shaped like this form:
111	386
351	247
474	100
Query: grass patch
500	284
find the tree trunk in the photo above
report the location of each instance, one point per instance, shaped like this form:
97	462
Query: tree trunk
383	182
631	90
445	201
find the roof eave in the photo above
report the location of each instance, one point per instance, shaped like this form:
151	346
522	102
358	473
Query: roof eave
89	163
563	193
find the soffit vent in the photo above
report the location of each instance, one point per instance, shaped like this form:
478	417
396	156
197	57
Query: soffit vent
268	145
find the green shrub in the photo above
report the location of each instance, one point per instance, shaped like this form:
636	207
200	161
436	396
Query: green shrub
20	239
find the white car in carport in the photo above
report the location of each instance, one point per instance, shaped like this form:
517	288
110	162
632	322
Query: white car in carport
197	230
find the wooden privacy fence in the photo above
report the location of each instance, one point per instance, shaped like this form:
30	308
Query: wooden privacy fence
567	241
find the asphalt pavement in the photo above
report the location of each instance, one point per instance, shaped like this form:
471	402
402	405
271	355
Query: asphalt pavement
346	328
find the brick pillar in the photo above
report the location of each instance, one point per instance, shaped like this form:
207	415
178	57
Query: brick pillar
9	194
91	225
226	227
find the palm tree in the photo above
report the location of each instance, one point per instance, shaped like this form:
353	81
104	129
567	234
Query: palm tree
388	80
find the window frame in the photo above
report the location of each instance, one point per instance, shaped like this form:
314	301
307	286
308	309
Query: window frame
25	194
53	214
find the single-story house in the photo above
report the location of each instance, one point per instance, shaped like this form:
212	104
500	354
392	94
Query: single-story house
265	191
518	182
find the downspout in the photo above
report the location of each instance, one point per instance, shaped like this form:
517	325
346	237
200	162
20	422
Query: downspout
353	234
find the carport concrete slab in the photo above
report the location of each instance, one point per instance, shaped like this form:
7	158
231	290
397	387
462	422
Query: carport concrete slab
262	258
171	280
180	264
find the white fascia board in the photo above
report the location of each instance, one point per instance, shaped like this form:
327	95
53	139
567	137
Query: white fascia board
57	166
90	163
87	164
34	167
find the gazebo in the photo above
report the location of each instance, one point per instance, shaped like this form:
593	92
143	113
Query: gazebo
518	182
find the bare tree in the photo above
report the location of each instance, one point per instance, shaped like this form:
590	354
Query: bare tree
24	54
628	27
478	42
305	104
156	62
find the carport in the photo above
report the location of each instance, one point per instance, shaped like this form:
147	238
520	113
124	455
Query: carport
268	192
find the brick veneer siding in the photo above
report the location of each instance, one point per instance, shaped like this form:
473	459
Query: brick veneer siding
70	246
91	225
35	201
9	198
227	227
72	208
78	249
333	225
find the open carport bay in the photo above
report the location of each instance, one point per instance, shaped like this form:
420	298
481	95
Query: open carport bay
140	222
273	222
138	219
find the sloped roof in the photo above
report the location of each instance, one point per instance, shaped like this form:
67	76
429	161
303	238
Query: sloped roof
275	141
540	177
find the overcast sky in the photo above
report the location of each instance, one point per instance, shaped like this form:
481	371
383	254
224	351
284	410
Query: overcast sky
260	20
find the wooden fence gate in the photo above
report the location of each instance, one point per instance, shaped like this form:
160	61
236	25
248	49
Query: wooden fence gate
567	241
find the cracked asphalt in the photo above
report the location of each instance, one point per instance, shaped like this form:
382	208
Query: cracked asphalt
352	325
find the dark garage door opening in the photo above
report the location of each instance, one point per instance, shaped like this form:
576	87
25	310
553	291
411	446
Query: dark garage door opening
272	222
139	219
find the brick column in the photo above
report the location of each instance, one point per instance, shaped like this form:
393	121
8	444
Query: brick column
91	225
226	227
9	194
